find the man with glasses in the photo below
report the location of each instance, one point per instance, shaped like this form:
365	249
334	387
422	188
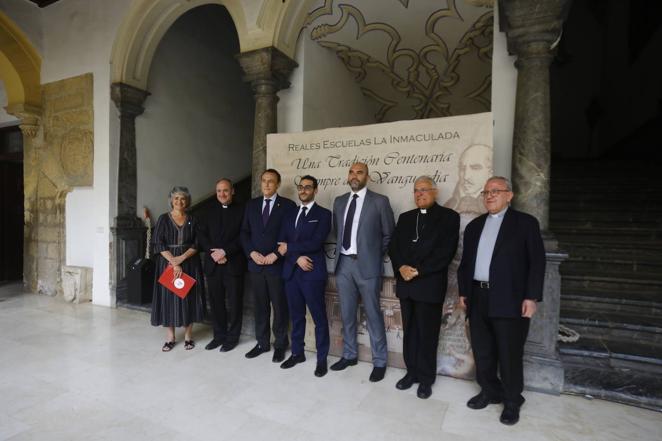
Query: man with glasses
500	280
302	239
423	245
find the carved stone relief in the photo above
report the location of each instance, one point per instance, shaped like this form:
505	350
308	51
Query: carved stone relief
58	157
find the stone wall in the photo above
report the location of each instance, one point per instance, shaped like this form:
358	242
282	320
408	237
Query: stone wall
58	158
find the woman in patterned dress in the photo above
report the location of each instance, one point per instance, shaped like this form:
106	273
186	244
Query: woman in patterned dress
174	243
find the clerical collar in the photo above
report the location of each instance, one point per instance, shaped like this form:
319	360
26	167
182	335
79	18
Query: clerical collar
424	211
499	214
224	206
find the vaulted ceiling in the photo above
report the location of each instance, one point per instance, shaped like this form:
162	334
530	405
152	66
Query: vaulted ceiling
414	58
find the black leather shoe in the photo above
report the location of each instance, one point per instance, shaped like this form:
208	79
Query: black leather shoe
279	355
321	369
227	347
481	401
424	391
292	361
377	374
344	363
213	344
406	382
510	415
257	350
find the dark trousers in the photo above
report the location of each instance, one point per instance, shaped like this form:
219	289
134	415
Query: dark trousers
497	343
226	300
302	293
268	293
421	324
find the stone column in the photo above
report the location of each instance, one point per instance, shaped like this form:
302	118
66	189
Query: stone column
128	229
30	117
533	29
267	70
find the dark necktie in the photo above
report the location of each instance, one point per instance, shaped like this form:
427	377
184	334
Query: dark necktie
301	216
347	233
265	212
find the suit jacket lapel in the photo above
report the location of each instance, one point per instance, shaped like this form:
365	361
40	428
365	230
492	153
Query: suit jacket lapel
507	227
367	203
474	246
276	205
310	215
434	218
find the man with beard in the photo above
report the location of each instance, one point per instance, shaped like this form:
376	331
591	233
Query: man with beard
363	222
302	243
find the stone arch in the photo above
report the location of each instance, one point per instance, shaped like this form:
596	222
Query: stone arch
20	71
293	18
136	43
148	20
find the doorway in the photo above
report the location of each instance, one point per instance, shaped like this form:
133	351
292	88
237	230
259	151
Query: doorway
11	204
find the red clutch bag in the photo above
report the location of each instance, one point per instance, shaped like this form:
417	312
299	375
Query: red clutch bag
181	286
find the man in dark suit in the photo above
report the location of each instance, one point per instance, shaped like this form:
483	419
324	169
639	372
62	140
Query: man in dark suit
224	266
363	222
423	245
500	280
302	243
259	238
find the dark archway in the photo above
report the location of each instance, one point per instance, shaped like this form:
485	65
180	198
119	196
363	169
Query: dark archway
197	123
11	201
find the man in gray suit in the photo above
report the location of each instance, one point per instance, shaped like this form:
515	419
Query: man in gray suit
363	222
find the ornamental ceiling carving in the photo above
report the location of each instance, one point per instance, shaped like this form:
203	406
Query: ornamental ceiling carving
414	58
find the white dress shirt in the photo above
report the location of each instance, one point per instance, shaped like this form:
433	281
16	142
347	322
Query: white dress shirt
271	204
353	249
308	206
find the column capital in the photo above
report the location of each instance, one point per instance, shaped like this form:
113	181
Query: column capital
128	99
532	27
267	65
30	117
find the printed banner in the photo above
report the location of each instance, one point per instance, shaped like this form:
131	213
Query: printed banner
455	151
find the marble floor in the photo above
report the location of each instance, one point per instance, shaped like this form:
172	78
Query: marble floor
83	372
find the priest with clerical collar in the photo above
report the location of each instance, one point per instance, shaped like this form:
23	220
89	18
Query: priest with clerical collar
422	247
224	264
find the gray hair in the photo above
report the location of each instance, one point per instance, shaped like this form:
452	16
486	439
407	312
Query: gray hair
180	190
503	179
427	179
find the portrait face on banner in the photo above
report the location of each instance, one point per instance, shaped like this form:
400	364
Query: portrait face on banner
456	152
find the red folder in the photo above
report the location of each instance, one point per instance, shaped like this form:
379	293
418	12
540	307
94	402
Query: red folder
181	286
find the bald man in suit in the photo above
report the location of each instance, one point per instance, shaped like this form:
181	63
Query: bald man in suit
363	222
